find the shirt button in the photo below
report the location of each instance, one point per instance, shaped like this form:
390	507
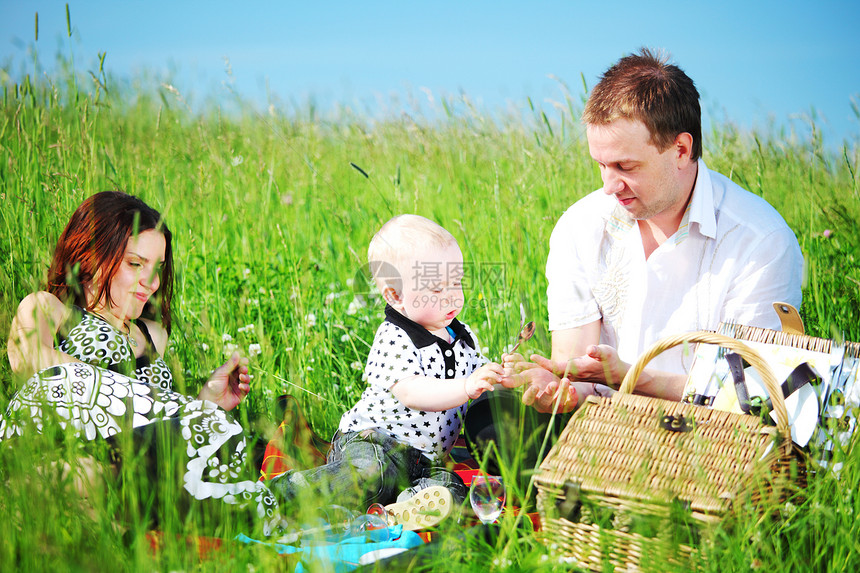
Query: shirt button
450	372
448	352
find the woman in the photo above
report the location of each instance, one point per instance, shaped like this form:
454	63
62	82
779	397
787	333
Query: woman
92	346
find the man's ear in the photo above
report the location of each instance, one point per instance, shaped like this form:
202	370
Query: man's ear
684	147
391	296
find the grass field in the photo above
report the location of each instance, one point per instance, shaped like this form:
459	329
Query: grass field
272	211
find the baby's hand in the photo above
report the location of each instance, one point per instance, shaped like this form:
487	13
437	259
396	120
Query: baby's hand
482	379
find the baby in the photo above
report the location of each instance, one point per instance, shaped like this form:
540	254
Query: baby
423	368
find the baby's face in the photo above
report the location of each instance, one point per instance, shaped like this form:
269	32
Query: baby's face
433	288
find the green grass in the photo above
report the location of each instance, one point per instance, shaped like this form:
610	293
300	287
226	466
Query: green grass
271	221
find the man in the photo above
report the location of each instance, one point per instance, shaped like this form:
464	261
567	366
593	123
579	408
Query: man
666	246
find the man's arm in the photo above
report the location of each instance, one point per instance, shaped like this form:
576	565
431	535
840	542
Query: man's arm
572	342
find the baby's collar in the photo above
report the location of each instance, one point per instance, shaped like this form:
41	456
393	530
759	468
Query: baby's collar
422	337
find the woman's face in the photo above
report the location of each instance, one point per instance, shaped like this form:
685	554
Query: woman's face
138	276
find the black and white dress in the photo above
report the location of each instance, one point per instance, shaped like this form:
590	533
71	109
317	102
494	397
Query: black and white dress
112	391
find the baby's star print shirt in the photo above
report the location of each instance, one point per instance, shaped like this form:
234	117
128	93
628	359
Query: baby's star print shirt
403	348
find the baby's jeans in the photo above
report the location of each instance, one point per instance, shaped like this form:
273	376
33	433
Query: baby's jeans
364	468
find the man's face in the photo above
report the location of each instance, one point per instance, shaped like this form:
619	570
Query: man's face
646	182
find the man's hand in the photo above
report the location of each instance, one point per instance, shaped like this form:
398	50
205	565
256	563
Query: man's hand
548	396
600	363
229	384
543	388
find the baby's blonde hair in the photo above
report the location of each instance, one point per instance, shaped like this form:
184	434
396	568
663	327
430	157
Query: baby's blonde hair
397	242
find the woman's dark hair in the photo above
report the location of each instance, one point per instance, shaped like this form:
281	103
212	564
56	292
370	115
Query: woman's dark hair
95	240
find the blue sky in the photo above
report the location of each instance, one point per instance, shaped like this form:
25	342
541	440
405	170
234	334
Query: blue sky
754	62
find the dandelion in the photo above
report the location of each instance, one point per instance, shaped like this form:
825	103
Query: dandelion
226	337
238	160
352	308
355	365
254	350
311	319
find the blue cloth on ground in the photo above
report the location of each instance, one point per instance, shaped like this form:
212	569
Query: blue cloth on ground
343	555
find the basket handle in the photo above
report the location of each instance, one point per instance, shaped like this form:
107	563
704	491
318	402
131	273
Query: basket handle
747	353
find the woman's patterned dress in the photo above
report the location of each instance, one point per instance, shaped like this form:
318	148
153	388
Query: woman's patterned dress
111	391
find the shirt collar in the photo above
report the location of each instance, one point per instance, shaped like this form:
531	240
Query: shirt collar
702	209
422	337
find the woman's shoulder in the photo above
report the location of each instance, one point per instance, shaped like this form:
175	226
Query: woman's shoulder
42	305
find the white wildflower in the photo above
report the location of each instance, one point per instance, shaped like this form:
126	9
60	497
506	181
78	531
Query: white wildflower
329	298
238	160
204	346
355	365
310	369
352	308
226	337
230	348
254	301
311	319
254	350
246	273
344	338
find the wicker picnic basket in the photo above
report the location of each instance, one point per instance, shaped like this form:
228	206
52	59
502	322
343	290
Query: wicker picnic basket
633	481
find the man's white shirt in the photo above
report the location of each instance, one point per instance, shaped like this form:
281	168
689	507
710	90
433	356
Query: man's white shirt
732	257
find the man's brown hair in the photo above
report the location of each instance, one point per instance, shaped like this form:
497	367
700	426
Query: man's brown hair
647	88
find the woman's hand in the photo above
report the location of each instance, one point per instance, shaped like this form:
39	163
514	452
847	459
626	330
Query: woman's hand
229	384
